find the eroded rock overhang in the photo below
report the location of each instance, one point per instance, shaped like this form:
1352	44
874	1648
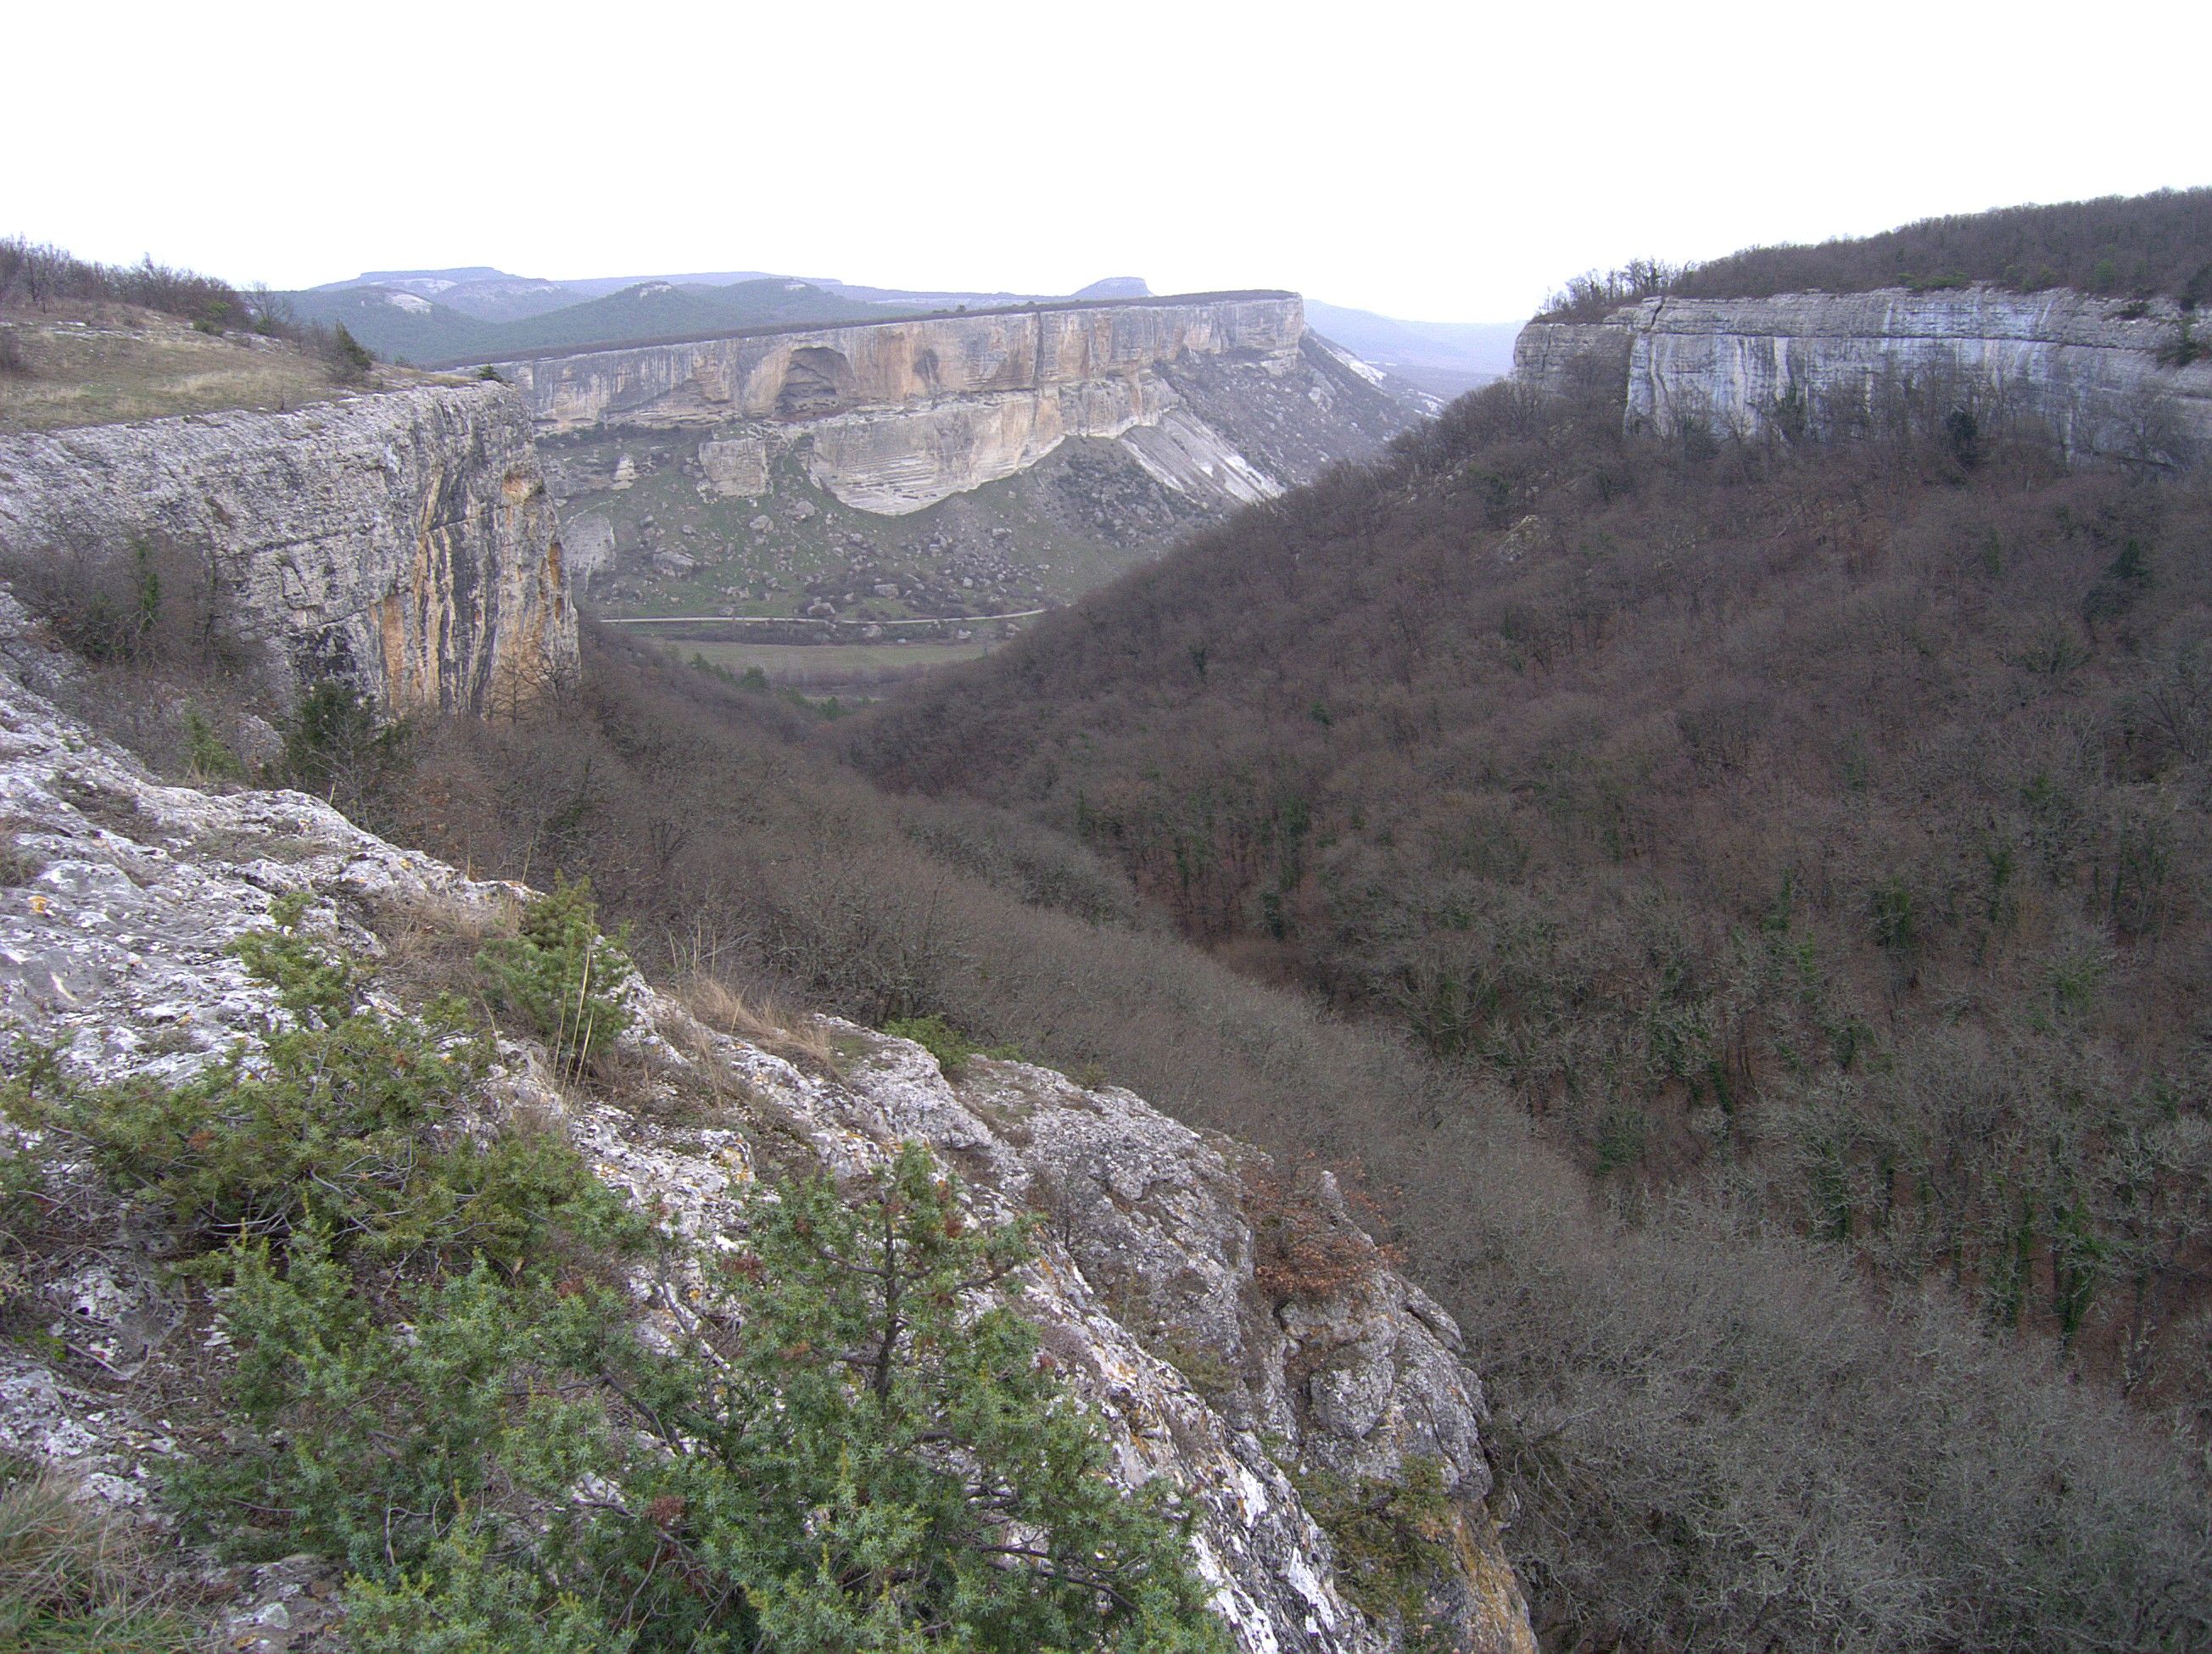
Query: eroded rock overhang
892	416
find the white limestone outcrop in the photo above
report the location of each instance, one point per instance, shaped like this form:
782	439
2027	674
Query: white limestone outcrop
115	923
404	540
892	416
2105	378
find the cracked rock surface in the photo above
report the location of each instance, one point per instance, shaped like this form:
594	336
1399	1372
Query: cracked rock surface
126	893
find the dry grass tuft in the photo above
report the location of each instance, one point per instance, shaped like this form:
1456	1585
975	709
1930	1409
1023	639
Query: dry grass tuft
796	1036
431	941
70	1578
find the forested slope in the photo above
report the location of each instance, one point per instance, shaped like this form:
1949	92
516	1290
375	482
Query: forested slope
1713	1431
1824	827
2144	246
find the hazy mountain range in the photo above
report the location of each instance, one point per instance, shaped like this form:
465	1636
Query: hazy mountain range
435	316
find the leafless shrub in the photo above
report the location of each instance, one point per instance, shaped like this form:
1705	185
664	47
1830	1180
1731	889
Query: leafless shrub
1621	929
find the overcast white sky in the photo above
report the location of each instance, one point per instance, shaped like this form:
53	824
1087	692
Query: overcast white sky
1445	162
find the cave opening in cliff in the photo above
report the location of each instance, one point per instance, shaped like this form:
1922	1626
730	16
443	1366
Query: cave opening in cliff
817	381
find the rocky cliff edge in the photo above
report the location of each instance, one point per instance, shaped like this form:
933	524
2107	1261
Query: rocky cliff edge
403	541
1159	1291
2102	378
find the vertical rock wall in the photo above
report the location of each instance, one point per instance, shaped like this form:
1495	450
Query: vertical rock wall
2102	378
892	416
403	541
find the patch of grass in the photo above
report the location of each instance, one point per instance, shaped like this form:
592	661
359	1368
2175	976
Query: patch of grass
953	1049
17	864
797	1036
233	846
98	365
74	1582
119	812
1200	1364
432	943
1393	1540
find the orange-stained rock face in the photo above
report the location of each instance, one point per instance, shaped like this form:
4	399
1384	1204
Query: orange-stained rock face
893	416
405	541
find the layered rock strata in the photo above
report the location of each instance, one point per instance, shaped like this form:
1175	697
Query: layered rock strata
2102	378
112	946
405	541
891	416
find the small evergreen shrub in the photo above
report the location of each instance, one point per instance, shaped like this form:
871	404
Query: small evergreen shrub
349	359
335	748
344	1124
828	1441
562	975
370	1416
207	754
838	1452
951	1048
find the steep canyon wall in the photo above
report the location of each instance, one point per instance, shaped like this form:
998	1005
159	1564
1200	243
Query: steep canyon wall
896	415
405	541
2104	379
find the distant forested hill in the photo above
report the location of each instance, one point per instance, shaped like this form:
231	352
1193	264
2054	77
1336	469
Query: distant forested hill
2132	247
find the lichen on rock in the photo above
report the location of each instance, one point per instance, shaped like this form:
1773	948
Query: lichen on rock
116	951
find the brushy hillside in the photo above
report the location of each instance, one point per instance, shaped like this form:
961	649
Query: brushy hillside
1669	1376
1825	827
1719	1432
2128	247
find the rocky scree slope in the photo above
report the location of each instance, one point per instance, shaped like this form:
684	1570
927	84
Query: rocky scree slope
405	541
760	470
2105	379
113	936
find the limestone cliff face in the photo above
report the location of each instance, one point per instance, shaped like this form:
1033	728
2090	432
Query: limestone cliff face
113	945
803	373
403	540
983	463
2102	378
892	416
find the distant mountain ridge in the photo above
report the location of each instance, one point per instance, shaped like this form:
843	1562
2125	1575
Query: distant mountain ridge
1446	359
424	316
427	316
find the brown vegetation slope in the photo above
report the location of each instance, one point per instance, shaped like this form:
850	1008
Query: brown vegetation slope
1715	1436
1829	825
